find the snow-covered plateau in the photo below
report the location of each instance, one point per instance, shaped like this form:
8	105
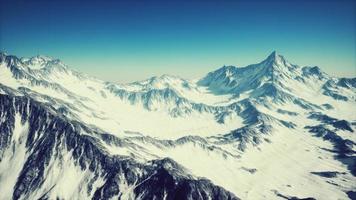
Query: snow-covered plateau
271	130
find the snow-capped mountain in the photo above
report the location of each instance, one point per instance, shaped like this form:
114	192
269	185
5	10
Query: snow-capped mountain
271	130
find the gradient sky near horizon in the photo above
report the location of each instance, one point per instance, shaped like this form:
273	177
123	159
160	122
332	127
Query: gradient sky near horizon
124	41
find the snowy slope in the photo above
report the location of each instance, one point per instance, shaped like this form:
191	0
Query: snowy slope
271	130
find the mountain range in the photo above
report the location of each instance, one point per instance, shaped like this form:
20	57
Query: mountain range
271	130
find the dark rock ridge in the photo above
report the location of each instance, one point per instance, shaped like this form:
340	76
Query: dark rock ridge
336	123
327	174
342	147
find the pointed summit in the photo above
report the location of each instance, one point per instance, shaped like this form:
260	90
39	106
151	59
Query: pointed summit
276	59
273	56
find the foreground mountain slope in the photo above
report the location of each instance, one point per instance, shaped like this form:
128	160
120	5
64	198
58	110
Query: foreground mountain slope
271	130
45	155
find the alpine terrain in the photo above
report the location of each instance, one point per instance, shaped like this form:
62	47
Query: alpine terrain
271	130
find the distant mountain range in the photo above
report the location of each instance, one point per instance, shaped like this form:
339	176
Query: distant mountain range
271	130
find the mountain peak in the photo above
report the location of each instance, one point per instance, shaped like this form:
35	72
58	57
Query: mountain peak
274	56
228	67
167	76
276	60
159	82
3	53
161	78
42	57
42	61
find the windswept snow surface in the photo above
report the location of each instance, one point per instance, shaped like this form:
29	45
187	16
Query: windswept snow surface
270	130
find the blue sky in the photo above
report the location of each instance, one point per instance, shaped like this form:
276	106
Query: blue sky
129	40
